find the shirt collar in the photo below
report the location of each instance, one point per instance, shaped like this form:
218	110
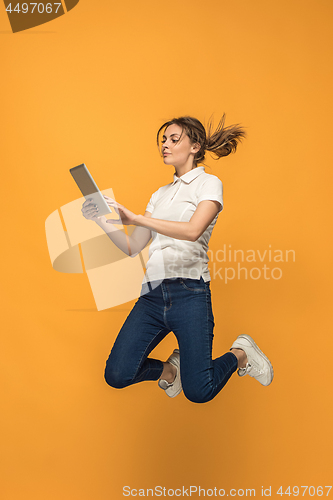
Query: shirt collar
189	176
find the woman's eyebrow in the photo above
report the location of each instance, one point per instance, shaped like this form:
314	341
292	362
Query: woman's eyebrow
164	137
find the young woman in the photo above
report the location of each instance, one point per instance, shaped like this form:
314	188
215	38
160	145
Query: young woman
176	295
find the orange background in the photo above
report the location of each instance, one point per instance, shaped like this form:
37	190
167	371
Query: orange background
94	86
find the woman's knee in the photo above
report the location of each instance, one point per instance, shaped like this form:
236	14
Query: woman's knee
197	396
115	377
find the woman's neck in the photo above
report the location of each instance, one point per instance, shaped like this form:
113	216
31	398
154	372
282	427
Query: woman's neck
179	171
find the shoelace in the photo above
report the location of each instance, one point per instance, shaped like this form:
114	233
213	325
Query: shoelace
253	367
250	368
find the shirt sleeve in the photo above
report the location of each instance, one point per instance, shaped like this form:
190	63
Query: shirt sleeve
151	204
211	189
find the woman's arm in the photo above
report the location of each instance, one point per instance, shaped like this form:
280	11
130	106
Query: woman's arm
191	231
130	245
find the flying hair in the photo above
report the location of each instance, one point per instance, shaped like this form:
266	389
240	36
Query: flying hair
221	142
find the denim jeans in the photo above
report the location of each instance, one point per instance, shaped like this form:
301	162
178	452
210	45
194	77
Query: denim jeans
183	306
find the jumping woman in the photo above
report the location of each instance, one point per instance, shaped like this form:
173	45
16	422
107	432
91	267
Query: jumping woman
176	296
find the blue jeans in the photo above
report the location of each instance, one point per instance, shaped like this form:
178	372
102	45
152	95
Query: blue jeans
183	306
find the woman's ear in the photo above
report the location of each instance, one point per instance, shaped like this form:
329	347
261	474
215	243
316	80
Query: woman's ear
196	147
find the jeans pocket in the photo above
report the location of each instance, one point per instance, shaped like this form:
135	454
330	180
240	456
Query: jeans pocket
193	285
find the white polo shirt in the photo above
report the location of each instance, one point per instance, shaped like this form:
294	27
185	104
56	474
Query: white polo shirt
174	258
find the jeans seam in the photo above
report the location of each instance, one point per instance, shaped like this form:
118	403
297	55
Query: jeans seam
144	353
165	307
212	385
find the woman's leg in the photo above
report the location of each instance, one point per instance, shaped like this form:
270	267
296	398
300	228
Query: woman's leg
143	329
191	319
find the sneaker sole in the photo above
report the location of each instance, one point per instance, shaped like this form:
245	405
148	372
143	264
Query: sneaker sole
173	395
170	395
256	348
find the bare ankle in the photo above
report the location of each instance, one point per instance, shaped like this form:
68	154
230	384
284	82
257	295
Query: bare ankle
241	357
169	372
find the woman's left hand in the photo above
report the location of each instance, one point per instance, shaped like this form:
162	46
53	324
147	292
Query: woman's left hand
126	217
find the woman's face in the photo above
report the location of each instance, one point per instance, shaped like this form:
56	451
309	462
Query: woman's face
177	152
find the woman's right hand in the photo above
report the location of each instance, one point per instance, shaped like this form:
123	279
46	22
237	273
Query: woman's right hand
90	212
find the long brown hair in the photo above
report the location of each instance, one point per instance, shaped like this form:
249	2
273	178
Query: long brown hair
220	143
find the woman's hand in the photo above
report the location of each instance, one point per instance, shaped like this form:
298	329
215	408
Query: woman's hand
125	216
90	211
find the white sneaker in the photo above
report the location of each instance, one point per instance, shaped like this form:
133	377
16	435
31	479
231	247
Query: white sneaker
258	365
172	390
